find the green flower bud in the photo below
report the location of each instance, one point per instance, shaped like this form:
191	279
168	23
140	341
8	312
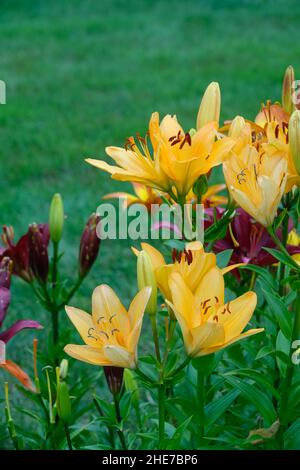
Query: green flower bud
288	90
63	369
56	218
63	403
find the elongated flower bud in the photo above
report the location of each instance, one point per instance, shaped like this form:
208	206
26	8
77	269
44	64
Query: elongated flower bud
210	105
63	402
294	139
287	90
89	245
236	127
114	378
56	218
63	369
38	252
146	278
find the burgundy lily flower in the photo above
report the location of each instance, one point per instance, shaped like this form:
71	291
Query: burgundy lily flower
7	335
247	238
19	253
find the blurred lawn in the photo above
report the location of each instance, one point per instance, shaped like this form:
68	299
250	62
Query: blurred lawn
81	75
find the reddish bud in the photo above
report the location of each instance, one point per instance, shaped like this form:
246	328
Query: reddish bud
114	378
89	245
38	240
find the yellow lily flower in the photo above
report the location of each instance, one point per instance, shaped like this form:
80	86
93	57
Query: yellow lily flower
273	138
256	181
177	159
207	323
111	333
192	264
143	195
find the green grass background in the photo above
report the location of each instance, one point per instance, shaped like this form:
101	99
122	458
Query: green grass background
84	74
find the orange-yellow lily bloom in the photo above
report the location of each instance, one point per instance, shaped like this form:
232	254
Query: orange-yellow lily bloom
208	324
111	333
255	178
176	159
192	264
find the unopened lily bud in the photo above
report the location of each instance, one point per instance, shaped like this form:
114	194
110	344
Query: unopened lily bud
146	278
114	378
63	369
38	252
294	139
210	105
56	218
63	403
89	245
236	127
288	90
131	386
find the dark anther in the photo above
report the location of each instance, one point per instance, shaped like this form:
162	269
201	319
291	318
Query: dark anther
90	334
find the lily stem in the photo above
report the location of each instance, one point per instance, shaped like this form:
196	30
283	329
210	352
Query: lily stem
201	404
68	436
119	420
161	413
155	337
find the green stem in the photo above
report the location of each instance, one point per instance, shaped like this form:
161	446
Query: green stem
55	326
71	292
155	337
161	414
67	432
201	404
281	269
54	267
289	371
119	420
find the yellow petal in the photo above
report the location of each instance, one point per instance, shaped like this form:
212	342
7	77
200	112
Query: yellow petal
236	314
119	357
205	352
136	313
208	335
183	301
83	323
87	354
105	303
210	287
155	255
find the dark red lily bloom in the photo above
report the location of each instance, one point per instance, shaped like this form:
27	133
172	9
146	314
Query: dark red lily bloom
89	245
7	335
19	252
247	238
